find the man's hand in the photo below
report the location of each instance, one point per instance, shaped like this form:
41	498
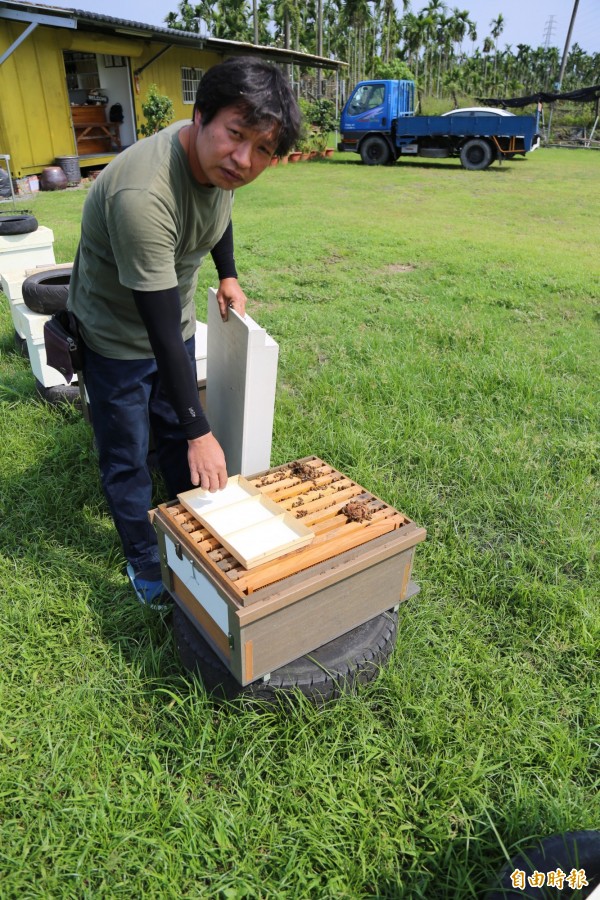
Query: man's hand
230	295
207	463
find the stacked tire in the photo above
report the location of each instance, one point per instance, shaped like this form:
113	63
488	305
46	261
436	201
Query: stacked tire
337	667
21	223
46	292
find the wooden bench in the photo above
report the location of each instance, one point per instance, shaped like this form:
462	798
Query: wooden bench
93	134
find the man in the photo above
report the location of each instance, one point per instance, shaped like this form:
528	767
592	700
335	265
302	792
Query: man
148	222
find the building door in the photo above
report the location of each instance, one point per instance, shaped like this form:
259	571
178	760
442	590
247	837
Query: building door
98	83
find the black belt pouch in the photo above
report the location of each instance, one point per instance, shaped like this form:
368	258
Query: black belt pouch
64	347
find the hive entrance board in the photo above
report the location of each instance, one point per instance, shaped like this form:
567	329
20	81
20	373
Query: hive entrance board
252	527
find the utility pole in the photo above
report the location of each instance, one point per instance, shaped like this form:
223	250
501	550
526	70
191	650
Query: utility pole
319	42
563	64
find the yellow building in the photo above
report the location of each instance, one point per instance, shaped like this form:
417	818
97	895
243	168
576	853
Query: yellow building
66	75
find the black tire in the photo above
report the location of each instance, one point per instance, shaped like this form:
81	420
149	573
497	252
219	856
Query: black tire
571	850
21	345
375	151
47	291
335	668
58	394
18	224
476	154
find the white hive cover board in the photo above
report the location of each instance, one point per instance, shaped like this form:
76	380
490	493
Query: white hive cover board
241	379
251	526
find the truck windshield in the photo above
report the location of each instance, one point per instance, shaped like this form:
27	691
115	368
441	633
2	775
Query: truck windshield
367	97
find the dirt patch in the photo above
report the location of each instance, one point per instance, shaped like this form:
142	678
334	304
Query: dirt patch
399	267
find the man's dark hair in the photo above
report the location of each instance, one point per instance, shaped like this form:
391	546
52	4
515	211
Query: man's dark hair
259	90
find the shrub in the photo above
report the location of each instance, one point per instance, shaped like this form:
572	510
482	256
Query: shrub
158	110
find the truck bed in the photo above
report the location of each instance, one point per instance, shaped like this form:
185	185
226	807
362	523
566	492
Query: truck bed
467	126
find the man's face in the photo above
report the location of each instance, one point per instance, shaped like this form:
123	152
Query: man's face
228	152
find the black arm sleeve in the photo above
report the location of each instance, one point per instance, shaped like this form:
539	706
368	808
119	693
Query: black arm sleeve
222	254
160	312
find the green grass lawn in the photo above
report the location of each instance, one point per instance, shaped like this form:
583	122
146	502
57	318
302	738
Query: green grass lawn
439	335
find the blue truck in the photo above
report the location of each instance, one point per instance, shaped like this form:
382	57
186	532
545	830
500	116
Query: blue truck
378	122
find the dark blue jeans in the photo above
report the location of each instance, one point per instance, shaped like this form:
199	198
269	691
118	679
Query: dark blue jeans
127	404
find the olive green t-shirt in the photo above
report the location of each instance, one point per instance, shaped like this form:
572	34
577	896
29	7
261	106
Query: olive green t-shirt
146	226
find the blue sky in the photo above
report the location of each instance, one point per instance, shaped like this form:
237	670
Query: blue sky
526	21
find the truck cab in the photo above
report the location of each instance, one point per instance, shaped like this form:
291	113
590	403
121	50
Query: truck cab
371	110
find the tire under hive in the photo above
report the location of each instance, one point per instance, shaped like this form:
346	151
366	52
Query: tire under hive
357	567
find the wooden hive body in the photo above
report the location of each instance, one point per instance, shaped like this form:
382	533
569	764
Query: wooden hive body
357	566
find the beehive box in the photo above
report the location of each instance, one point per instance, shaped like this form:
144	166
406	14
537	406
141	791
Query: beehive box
358	565
32	249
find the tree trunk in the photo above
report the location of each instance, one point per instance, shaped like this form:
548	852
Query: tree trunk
319	41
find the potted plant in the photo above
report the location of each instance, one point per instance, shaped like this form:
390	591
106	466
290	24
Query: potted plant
305	146
320	140
321	115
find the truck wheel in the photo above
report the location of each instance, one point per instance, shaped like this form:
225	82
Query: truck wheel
375	151
476	154
342	664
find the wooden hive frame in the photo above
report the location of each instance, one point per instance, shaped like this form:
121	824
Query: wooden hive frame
342	514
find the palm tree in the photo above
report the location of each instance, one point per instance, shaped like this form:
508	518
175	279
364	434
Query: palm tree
411	35
497	27
443	46
488	46
231	21
390	26
459	24
191	18
472	27
356	16
286	15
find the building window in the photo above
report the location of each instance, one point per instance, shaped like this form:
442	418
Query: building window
82	71
190	79
113	62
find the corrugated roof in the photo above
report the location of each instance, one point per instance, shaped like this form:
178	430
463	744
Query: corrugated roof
85	15
172	35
